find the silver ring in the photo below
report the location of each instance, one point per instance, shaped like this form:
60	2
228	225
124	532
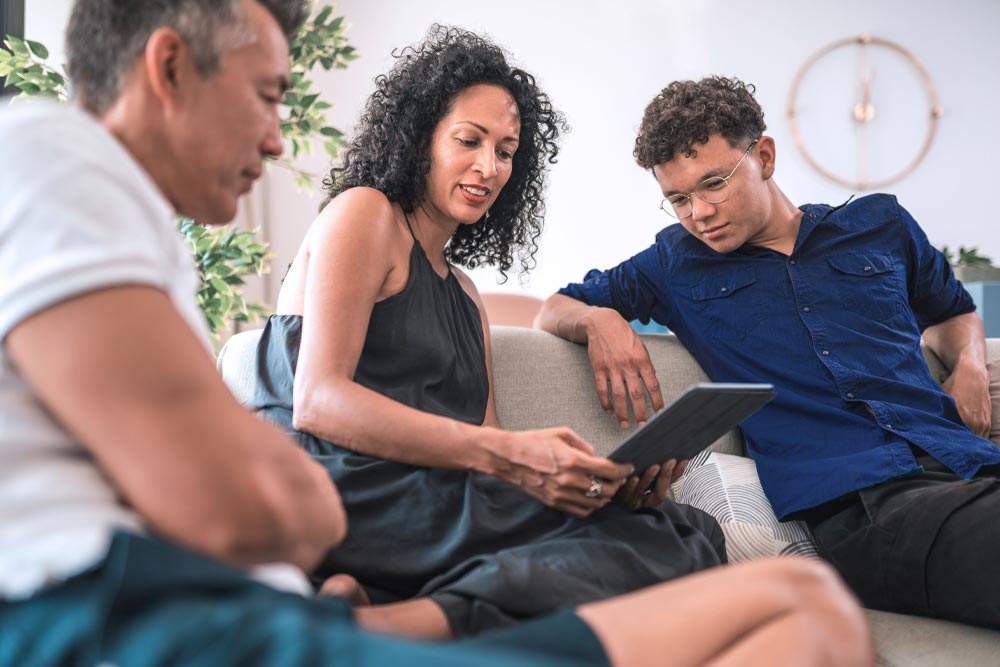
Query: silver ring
595	488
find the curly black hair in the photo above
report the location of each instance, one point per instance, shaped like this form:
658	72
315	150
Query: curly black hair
390	146
689	112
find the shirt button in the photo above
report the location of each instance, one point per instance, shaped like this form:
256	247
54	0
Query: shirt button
597	281
888	426
807	309
868	268
826	353
850	395
791	261
725	289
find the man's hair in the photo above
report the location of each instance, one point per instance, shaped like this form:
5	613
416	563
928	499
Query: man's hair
690	112
390	147
104	37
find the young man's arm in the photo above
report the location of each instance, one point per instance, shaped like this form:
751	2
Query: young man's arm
123	373
951	328
960	343
617	354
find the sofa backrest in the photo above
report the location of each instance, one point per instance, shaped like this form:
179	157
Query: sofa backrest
545	381
541	380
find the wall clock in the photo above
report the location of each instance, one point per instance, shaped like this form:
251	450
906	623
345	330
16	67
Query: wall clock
863	112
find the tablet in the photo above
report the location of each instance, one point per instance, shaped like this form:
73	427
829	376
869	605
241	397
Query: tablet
702	414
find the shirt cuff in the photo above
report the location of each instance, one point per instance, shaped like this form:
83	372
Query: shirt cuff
595	290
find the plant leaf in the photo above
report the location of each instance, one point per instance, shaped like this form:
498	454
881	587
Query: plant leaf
38	49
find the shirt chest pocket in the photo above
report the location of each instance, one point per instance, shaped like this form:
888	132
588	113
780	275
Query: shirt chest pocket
730	301
867	284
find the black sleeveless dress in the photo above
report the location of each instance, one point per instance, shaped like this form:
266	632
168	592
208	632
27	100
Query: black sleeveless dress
487	553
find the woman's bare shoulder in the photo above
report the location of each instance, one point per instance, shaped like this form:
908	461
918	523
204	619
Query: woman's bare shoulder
467	285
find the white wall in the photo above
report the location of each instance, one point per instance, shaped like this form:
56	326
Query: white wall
602	62
45	21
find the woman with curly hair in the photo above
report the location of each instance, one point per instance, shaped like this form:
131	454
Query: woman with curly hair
378	363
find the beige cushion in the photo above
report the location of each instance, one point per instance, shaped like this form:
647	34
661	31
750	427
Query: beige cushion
993	367
912	641
543	381
236	363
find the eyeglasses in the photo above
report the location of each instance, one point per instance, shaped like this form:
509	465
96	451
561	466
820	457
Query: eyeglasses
713	190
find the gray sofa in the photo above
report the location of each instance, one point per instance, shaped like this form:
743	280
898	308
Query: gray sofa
543	381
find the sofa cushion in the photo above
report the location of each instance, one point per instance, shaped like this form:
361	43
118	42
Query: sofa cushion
912	641
543	381
993	367
236	363
727	487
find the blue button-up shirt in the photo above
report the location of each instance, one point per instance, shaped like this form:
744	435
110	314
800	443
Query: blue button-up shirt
835	326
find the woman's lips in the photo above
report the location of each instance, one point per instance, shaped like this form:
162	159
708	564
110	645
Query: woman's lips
474	194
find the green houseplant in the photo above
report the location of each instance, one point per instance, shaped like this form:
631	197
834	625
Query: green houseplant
970	266
225	256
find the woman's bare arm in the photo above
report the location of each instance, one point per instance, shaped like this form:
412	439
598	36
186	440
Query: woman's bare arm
357	254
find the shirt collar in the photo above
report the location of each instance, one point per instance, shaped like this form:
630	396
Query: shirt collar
153	194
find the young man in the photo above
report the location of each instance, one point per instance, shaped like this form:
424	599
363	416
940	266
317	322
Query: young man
138	501
828	303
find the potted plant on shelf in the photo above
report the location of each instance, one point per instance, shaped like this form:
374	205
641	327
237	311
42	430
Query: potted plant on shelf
970	266
225	255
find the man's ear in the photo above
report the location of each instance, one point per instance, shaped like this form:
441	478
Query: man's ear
164	60
765	153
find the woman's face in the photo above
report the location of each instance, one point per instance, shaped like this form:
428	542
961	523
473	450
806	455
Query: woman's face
471	153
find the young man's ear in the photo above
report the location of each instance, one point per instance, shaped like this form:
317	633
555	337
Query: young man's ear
164	61
765	153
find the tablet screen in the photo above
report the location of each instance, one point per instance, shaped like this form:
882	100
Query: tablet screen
702	414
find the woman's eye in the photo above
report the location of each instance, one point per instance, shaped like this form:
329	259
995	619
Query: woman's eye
506	156
468	143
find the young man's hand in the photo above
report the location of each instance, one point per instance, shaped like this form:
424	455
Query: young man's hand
969	385
621	362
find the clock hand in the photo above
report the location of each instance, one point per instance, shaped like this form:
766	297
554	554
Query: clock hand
864	112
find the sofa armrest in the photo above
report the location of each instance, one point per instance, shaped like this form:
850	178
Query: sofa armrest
236	363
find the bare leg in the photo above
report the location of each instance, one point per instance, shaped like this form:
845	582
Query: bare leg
413	619
786	611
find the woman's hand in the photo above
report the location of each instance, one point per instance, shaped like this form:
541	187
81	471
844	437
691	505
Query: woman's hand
652	488
558	468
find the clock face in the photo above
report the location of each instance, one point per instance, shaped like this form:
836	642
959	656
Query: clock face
863	112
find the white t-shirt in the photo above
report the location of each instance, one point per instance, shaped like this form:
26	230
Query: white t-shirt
77	213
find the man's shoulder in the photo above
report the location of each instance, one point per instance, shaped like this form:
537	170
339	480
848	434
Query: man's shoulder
41	137
676	240
869	211
41	122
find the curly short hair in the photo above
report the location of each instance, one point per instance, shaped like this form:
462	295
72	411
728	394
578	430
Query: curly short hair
689	112
390	147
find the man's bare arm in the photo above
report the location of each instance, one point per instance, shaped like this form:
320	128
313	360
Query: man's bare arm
564	317
121	370
960	343
617	354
